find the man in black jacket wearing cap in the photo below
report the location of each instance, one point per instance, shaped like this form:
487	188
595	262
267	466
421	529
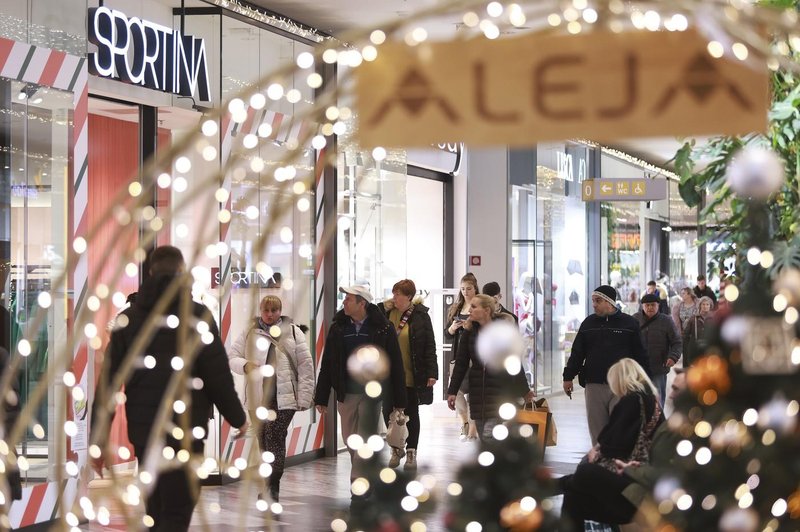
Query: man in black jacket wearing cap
661	340
604	338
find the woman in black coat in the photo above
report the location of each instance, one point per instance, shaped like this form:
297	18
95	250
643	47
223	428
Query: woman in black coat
594	491
418	347
487	389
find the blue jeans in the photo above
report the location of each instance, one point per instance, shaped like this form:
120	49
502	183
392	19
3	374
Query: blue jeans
661	383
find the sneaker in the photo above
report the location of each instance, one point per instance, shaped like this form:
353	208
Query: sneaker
411	460
394	459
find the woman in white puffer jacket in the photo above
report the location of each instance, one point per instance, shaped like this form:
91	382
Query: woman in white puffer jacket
275	341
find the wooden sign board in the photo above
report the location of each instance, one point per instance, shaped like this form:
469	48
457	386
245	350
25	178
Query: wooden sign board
624	189
524	90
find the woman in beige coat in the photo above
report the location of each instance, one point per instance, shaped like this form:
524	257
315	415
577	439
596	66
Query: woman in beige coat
279	379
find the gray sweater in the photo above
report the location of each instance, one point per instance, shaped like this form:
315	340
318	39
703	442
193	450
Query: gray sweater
661	340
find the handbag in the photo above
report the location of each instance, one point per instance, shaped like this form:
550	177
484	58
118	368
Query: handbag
397	431
644	440
540	416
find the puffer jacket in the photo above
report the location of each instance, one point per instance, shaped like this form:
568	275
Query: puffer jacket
294	371
146	386
602	341
333	368
423	343
487	389
661	340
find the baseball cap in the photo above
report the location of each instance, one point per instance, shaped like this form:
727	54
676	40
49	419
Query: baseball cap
357	290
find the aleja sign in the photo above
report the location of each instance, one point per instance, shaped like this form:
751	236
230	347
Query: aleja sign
148	54
519	91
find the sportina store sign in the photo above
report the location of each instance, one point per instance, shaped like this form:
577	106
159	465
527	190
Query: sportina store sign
522	90
147	54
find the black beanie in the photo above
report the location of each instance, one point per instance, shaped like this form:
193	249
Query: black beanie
606	292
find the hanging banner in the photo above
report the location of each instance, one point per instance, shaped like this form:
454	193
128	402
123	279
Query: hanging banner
524	90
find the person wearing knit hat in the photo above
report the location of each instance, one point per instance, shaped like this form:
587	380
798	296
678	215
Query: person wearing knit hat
603	338
661	340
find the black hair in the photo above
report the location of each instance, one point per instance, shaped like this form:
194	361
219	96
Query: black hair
492	288
166	260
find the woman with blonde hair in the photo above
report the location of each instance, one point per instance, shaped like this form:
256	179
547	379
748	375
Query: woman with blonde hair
627	438
487	389
457	316
272	339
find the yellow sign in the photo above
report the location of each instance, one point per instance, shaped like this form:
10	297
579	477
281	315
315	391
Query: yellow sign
522	90
624	189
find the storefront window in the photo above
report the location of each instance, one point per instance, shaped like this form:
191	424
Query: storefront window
549	252
35	131
56	24
621	251
683	249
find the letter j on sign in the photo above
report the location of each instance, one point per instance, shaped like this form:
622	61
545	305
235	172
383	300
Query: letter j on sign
523	90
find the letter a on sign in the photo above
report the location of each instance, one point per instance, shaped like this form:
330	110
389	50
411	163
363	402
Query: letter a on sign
522	90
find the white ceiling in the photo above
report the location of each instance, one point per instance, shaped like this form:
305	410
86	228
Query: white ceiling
336	17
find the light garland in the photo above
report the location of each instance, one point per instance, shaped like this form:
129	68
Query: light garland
281	23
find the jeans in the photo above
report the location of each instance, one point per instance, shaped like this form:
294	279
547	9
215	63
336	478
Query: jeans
661	383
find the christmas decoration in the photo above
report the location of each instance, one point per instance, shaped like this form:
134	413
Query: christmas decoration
755	172
499	345
368	364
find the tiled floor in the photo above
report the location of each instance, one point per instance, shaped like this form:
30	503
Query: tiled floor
313	493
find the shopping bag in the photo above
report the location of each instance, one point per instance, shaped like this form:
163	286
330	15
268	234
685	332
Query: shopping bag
551	438
397	431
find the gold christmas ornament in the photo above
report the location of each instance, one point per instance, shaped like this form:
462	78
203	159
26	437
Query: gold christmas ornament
518	516
709	373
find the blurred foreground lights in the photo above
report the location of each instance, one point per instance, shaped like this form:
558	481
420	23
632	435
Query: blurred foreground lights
486	459
72	470
303	204
360	486
379	153
38	431
286	235
209	128
135	189
703	455
684	502
293	96
94	451
415	488
22	463
779	508
305	251
314	81
276	508
251	212
355	441
527	504
684	448
473	526
124	453
388	475
507	411
500	432
779	303
526	431
305	60
494	9
93	303
45	300
235	105
409	503
275	91
767	259
24	347
375	443
240	464
257	101
148	521
338	525
731	293
715	49
79	245
69	378
418	526
215	508
318	142
180	184
791	316
377	37
70	428
454	489
264	470
179	407
264	130
754	256
164	180
262	505
183	164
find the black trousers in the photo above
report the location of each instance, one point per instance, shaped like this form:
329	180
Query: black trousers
594	493
272	438
412	411
171	503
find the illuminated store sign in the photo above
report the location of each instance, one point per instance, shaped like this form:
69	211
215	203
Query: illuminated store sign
147	54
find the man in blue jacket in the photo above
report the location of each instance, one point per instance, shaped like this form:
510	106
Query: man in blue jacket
604	338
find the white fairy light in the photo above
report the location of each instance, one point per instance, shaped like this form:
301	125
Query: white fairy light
176	363
590	16
715	49
135	189
293	95
490	29
179	407
24	347
79	245
257	165
369	53
680	22
500	432
571	14
740	51
554	19
209	153
377	37
222	195
251	212
652	20
303	204
379	153
339	128
181	230
299	187
149	361
235	105
314	81
275	91
494	9
250	141
183	164
420	34
486	458
409	503
45	300
791	316
69	378
210	128
70	428
180	184
264	130
305	60
239	116
305	251
516	16
331	56
258	101
574	27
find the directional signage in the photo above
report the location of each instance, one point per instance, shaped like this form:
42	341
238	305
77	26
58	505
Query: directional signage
624	189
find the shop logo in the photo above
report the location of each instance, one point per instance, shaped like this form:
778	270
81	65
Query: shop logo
147	54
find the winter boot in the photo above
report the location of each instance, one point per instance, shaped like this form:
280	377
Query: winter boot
394	459
411	460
